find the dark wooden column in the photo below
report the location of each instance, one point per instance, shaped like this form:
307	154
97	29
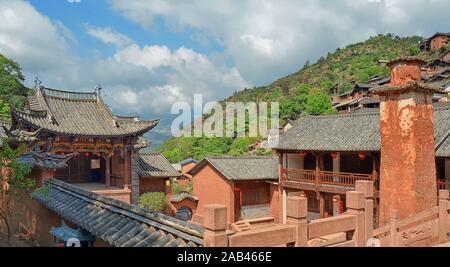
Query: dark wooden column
127	183
107	159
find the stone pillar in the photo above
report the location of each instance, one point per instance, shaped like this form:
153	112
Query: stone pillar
444	217
297	210
393	233
355	206
215	224
366	187
407	169
336	205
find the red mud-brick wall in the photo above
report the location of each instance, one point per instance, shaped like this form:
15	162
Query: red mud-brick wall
438	42
403	72
212	188
187	167
275	202
447	56
151	184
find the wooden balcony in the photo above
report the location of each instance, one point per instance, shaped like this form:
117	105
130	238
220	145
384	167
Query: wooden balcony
325	181
444	185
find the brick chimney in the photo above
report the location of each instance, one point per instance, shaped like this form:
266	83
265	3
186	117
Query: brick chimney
407	171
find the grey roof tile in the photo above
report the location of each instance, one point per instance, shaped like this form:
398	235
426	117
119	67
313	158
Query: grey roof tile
355	132
75	113
155	165
116	222
242	168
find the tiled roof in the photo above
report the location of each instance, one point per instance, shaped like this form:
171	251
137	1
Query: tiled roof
182	196
381	90
187	161
242	168
45	159
74	113
354	132
118	223
155	165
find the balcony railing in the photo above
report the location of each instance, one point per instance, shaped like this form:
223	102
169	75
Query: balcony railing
321	178
444	185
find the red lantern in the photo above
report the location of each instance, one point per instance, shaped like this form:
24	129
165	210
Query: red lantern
87	154
302	154
333	155
361	155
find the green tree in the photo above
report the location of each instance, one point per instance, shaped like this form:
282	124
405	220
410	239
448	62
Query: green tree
318	102
12	90
13	182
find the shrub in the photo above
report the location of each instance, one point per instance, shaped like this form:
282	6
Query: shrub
414	50
177	188
153	200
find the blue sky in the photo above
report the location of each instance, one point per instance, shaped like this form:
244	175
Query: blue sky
148	55
98	13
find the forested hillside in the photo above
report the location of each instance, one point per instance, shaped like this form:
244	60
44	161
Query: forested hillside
308	90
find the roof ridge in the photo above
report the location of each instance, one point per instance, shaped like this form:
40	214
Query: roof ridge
69	92
239	157
342	115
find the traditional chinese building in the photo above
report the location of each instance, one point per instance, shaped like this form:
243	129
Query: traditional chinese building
155	173
81	122
323	156
244	184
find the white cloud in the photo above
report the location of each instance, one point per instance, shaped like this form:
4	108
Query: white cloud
267	39
74	1
108	36
145	79
40	45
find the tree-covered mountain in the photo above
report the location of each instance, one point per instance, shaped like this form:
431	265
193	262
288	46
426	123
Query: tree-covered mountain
12	90
307	90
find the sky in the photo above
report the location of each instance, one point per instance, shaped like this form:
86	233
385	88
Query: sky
148	54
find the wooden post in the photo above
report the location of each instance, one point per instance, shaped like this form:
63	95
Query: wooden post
393	234
366	187
280	169
444	217
297	210
126	184
215	224
107	159
355	206
317	177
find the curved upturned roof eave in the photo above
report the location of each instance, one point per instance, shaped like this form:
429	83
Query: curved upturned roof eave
147	125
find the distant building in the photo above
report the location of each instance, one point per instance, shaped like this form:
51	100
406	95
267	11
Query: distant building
435	42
